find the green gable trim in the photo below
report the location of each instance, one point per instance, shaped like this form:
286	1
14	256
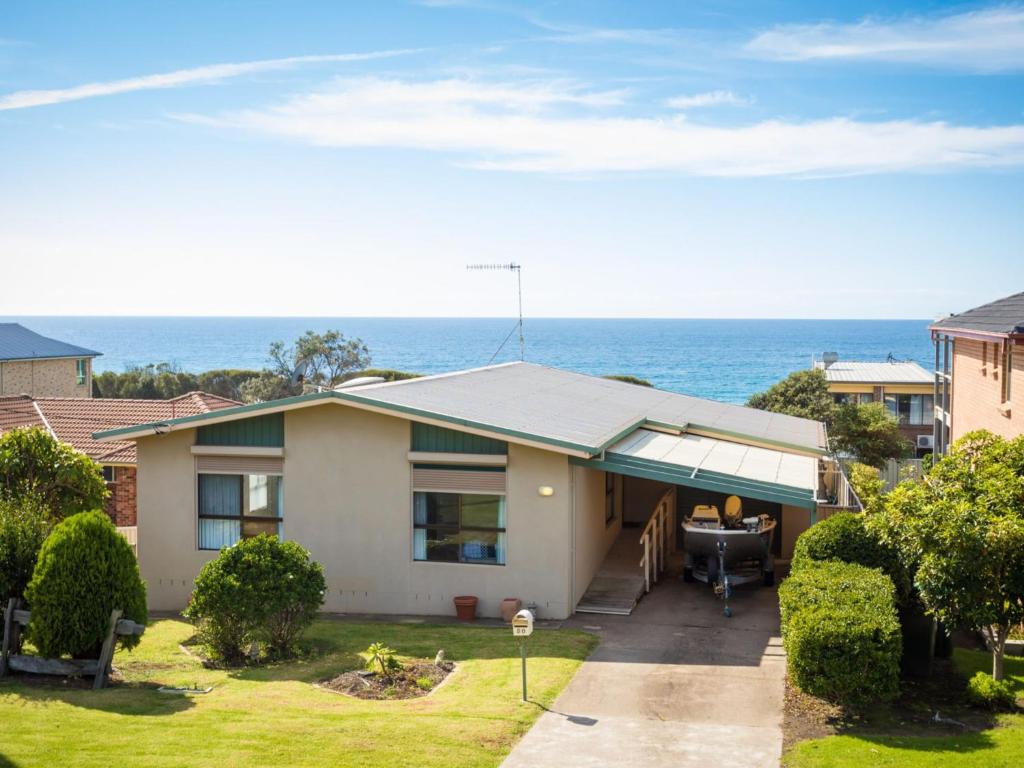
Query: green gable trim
432	439
703	479
256	431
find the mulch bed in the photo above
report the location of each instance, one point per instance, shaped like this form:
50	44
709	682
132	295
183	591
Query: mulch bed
912	714
412	681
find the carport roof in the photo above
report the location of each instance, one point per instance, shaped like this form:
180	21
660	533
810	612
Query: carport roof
717	465
580	414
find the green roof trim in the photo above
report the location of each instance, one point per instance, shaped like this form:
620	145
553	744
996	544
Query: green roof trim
703	479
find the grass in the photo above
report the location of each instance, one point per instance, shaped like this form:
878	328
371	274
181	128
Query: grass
273	716
994	747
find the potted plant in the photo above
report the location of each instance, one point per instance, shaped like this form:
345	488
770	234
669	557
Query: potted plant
510	607
465	607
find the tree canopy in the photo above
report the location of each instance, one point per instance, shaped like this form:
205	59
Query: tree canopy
868	432
962	529
162	381
802	393
35	464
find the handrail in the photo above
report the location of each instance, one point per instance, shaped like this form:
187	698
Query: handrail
655	538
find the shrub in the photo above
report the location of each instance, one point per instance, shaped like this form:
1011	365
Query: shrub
24	525
983	691
260	590
867	483
841	633
34	463
383	658
85	570
845	537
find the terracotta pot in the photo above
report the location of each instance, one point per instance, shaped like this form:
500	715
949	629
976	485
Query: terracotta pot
465	607
510	607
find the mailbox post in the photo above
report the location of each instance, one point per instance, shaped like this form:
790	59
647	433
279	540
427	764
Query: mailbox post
522	627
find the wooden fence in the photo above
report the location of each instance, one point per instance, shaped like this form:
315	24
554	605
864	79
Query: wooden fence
10	660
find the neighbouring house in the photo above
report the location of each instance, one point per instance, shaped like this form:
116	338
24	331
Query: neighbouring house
979	371
34	365
73	420
904	387
513	480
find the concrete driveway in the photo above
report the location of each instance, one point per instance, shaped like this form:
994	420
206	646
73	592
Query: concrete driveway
674	684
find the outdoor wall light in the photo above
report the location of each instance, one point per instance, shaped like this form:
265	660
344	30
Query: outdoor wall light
545	490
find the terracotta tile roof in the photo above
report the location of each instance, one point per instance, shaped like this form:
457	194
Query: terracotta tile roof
74	419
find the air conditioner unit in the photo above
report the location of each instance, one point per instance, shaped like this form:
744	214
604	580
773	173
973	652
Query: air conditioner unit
925	441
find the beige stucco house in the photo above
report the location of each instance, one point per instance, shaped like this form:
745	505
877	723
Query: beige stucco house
38	366
514	480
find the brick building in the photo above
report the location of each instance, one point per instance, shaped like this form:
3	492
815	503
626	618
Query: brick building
73	420
34	365
979	371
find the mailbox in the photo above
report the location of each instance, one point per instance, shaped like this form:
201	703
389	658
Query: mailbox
522	624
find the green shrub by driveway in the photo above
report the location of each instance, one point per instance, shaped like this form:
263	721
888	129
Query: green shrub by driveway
85	570
841	632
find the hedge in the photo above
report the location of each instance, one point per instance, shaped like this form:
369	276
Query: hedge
846	537
841	632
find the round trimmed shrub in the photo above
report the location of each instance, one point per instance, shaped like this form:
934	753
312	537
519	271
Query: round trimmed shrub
260	590
841	632
24	525
85	570
988	693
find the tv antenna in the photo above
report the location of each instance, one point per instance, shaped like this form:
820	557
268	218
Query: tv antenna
518	270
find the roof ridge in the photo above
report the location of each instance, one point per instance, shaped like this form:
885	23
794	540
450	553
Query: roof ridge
430	377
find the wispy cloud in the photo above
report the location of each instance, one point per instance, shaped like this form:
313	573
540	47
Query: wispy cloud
554	129
181	77
709	99
988	40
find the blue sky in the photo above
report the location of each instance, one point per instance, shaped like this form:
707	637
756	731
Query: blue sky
698	159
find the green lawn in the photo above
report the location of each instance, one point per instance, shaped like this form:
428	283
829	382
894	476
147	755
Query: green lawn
272	716
1001	745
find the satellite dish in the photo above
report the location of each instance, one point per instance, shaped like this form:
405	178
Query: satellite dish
299	373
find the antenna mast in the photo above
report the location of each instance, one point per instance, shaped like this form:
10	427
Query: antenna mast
518	269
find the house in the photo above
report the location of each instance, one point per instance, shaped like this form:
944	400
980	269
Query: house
509	480
979	371
34	365
904	387
74	419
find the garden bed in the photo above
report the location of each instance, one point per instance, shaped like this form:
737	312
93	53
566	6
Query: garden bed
410	682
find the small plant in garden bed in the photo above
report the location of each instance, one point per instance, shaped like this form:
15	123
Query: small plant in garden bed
387	678
997	695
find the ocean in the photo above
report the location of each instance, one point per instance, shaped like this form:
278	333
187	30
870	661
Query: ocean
720	359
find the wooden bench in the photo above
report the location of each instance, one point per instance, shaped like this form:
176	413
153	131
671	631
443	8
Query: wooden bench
15	619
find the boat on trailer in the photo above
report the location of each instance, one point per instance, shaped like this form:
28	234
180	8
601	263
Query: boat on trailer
728	554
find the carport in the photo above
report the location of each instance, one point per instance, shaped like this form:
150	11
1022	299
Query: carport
664	475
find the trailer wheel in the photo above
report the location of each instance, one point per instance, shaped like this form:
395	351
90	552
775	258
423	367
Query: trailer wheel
688	575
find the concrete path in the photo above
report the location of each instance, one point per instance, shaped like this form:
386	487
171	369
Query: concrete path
674	684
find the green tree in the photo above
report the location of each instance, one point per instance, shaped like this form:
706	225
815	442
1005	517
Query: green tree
869	433
34	463
85	570
327	360
802	393
963	528
24	525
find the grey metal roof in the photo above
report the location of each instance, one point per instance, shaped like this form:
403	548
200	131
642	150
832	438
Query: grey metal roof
875	373
535	400
579	414
1004	316
19	343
